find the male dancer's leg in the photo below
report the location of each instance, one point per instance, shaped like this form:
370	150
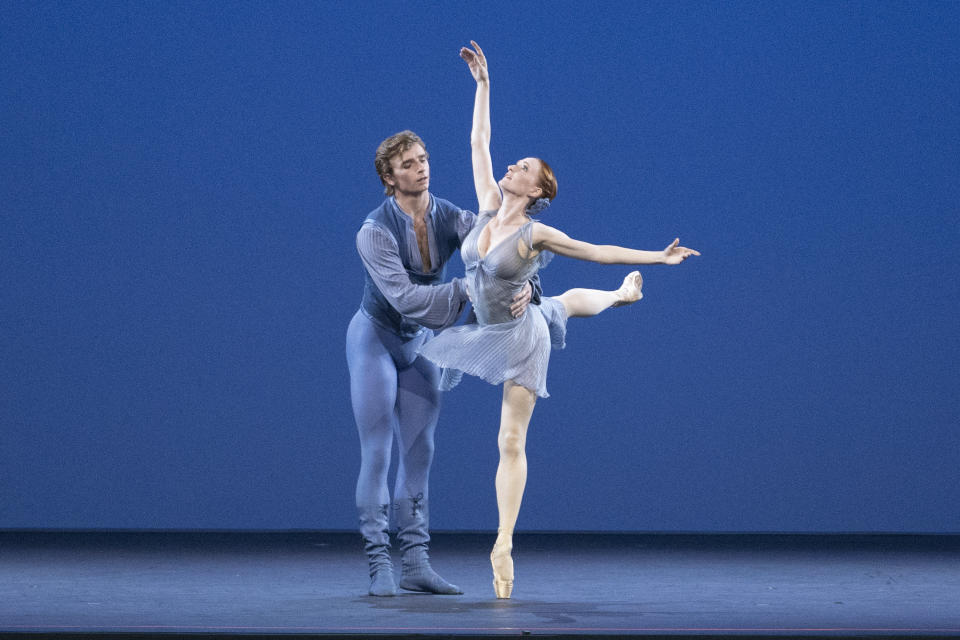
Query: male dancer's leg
373	392
418	407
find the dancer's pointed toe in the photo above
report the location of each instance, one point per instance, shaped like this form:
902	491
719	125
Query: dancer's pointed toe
502	565
502	588
631	290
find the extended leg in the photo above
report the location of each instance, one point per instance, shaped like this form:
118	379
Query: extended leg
373	384
582	303
518	403
418	403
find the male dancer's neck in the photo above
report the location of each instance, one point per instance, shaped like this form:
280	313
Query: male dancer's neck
414	205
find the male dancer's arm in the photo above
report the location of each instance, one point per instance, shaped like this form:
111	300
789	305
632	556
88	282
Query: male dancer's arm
433	306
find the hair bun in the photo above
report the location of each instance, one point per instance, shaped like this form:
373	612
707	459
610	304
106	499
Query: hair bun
538	206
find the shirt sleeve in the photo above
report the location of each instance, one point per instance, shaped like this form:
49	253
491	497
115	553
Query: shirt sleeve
433	306
536	293
465	223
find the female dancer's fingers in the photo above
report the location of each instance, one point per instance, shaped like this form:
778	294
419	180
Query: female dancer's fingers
483	58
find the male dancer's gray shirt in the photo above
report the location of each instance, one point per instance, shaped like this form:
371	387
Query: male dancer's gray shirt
391	262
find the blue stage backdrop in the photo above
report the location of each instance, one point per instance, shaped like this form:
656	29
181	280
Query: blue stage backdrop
181	184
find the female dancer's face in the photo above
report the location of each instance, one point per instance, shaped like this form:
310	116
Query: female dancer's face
523	178
410	171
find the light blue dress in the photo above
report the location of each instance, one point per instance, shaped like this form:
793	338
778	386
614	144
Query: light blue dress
498	347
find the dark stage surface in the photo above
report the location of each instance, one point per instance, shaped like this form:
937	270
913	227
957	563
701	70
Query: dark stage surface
566	584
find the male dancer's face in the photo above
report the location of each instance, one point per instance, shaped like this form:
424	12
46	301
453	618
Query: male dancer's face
410	171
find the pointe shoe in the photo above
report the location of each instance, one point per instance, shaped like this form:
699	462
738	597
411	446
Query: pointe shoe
630	291
502	585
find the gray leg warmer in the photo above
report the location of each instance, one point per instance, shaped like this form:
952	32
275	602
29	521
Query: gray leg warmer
376	542
418	575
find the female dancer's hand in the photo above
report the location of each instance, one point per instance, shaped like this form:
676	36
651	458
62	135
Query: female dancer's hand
477	62
675	255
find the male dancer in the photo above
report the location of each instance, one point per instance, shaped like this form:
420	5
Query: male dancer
404	244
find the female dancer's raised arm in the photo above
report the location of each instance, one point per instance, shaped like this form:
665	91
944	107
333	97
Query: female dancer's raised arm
488	193
543	236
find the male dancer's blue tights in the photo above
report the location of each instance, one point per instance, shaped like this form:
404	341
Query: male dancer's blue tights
394	394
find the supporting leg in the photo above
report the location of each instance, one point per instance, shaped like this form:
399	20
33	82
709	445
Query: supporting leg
517	408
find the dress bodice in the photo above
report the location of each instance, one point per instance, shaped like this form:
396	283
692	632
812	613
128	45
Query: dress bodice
498	276
498	347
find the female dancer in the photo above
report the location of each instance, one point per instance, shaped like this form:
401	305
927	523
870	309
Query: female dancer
501	253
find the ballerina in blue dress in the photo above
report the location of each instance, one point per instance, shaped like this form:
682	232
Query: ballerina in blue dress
505	248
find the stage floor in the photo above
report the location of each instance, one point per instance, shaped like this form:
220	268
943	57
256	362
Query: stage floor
231	584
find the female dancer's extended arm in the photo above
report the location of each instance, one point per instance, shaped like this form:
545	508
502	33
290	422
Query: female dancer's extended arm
544	237
488	193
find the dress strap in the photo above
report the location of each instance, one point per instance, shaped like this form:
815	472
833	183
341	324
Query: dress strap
526	234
